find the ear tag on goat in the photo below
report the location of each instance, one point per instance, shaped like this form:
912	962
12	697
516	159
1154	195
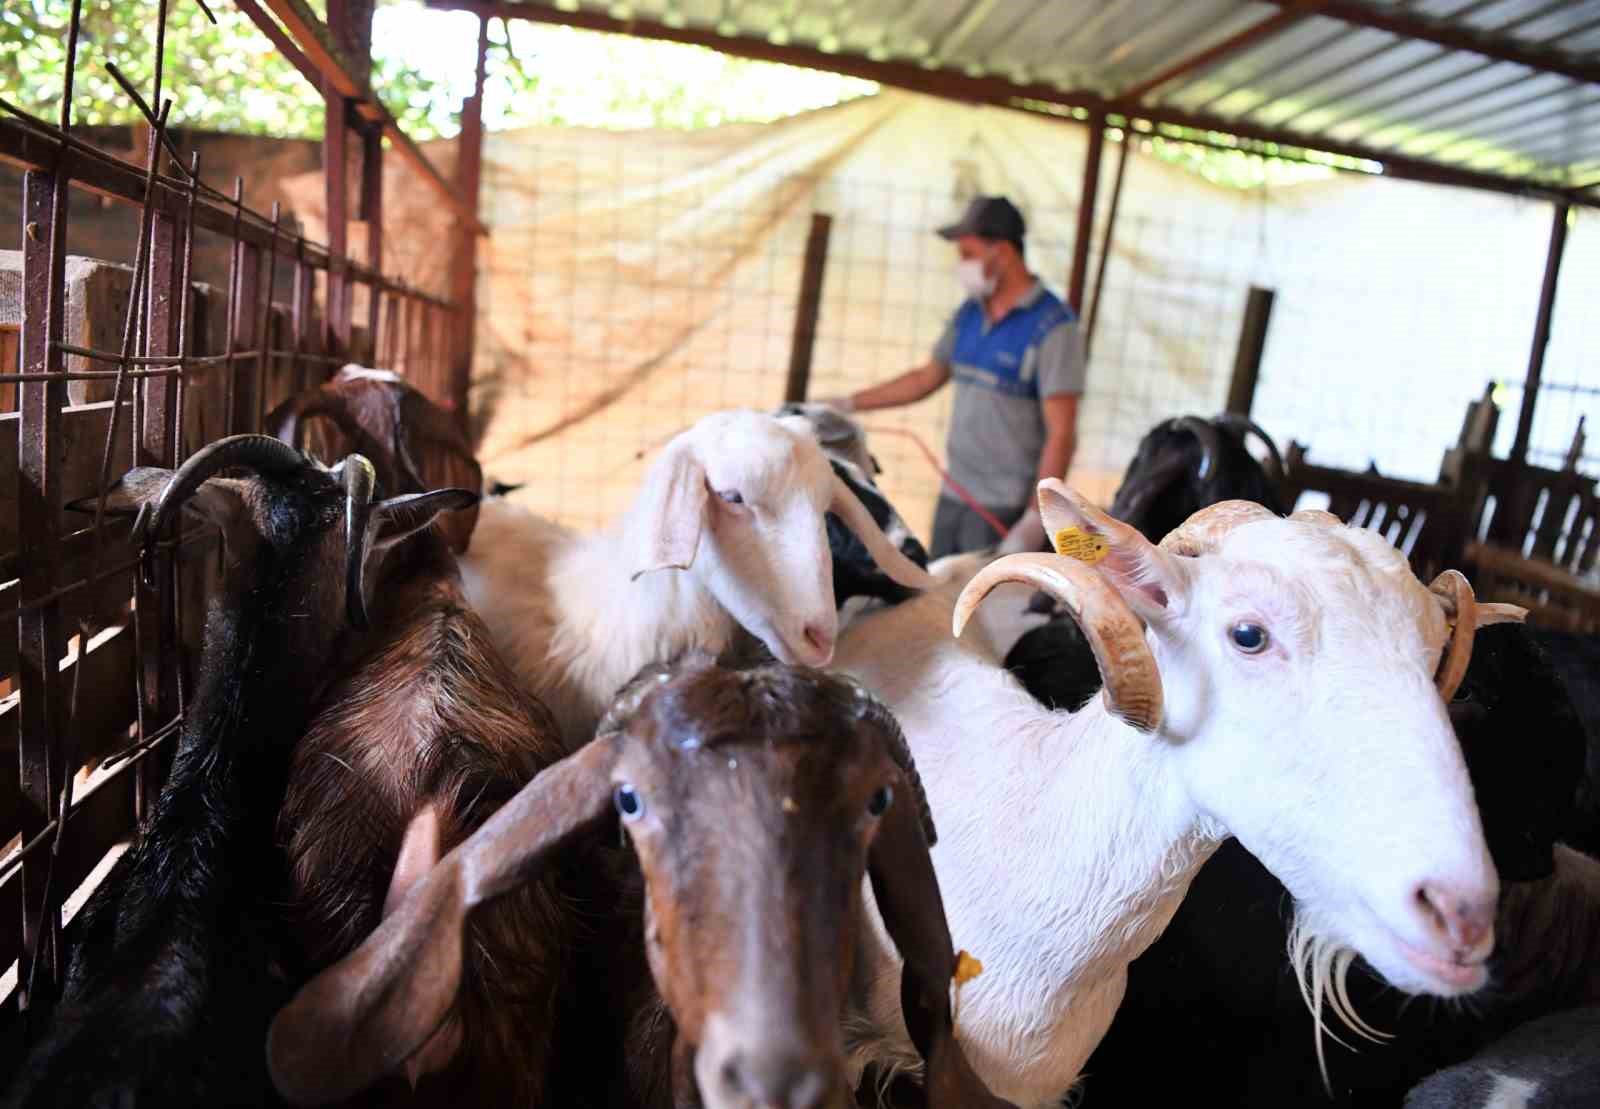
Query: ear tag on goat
1081	545
966	969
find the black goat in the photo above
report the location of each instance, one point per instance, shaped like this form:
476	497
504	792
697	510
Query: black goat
1217	992
1551	1063
855	574
173	979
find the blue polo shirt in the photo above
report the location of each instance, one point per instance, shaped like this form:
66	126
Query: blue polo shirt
1002	372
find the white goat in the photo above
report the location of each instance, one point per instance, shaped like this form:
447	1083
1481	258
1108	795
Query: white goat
1269	678
737	502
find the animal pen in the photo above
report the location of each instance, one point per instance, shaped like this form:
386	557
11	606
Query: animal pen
119	365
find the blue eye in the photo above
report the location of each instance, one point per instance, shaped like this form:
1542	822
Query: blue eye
1249	638
628	802
879	802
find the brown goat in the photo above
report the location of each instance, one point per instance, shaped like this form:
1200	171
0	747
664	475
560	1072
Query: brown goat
413	443
755	800
424	718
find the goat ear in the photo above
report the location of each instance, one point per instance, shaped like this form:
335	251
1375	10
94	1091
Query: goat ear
906	891
889	558
399	518
369	1013
1149	579
218	500
670	513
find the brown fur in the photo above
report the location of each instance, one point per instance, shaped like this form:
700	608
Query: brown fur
429	714
1550	935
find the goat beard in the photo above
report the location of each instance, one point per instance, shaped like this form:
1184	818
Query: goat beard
1322	964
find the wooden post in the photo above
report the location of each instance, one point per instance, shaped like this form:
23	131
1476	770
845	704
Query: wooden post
809	308
1252	345
464	260
1091	186
1541	332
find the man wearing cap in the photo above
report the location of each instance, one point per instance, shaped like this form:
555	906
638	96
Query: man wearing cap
1016	355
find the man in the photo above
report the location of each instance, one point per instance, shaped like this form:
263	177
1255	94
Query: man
1016	355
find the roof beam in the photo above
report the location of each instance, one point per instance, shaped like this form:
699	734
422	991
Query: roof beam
905	75
1456	37
1291	14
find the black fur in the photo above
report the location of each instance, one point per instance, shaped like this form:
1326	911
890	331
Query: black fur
855	574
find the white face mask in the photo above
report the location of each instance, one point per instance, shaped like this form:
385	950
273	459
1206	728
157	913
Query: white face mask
969	271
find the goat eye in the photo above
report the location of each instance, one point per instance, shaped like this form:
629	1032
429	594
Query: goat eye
879	802
628	802
732	496
1249	638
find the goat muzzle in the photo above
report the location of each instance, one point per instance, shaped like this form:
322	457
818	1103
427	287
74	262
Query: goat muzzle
1127	666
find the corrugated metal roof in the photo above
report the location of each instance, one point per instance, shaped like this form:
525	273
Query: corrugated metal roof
1507	87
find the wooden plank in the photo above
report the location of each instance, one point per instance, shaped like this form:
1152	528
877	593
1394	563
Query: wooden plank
80	442
106	707
100	821
808	308
1252	346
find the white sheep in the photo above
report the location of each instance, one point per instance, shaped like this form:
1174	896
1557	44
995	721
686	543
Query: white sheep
736	504
1268	678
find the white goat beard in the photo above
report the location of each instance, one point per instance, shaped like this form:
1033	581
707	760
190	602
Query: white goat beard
1321	964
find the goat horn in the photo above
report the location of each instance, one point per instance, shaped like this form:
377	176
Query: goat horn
261	453
359	480
890	559
1133	495
1240	424
1202	533
1127	667
1210	442
1454	594
285	423
1317	516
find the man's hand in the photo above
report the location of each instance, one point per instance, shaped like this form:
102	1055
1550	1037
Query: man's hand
1027	534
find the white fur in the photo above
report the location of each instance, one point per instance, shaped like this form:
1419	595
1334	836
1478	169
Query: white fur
1066	841
568	611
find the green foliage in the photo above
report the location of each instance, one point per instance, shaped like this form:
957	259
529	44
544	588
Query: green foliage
228	76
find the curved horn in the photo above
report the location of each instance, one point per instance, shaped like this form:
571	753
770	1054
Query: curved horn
359	480
1136	492
879	714
1240	424
1454	594
1127	667
1203	532
285	423
1210	442
1317	516
848	507
261	453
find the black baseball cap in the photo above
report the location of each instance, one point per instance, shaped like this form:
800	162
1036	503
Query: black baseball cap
989	217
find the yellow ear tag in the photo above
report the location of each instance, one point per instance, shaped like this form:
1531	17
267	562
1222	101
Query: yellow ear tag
1081	545
967	968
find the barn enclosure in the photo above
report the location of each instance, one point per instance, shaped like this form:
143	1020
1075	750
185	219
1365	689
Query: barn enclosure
1404	298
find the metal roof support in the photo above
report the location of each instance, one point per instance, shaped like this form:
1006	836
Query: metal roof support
1086	200
1541	331
1456	37
1105	243
1230	45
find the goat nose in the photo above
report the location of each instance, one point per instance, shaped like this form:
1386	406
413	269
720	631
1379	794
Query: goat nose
1463	919
771	1080
820	639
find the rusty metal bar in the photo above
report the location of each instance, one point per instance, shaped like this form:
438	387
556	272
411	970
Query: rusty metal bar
372	214
1541	332
336	321
342	77
264	344
1105	244
40	640
246	328
1455	36
808	308
280	41
1203	59
464	259
1086	202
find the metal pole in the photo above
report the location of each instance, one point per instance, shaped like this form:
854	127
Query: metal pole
1091	186
1541	331
464	260
809	308
1105	244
